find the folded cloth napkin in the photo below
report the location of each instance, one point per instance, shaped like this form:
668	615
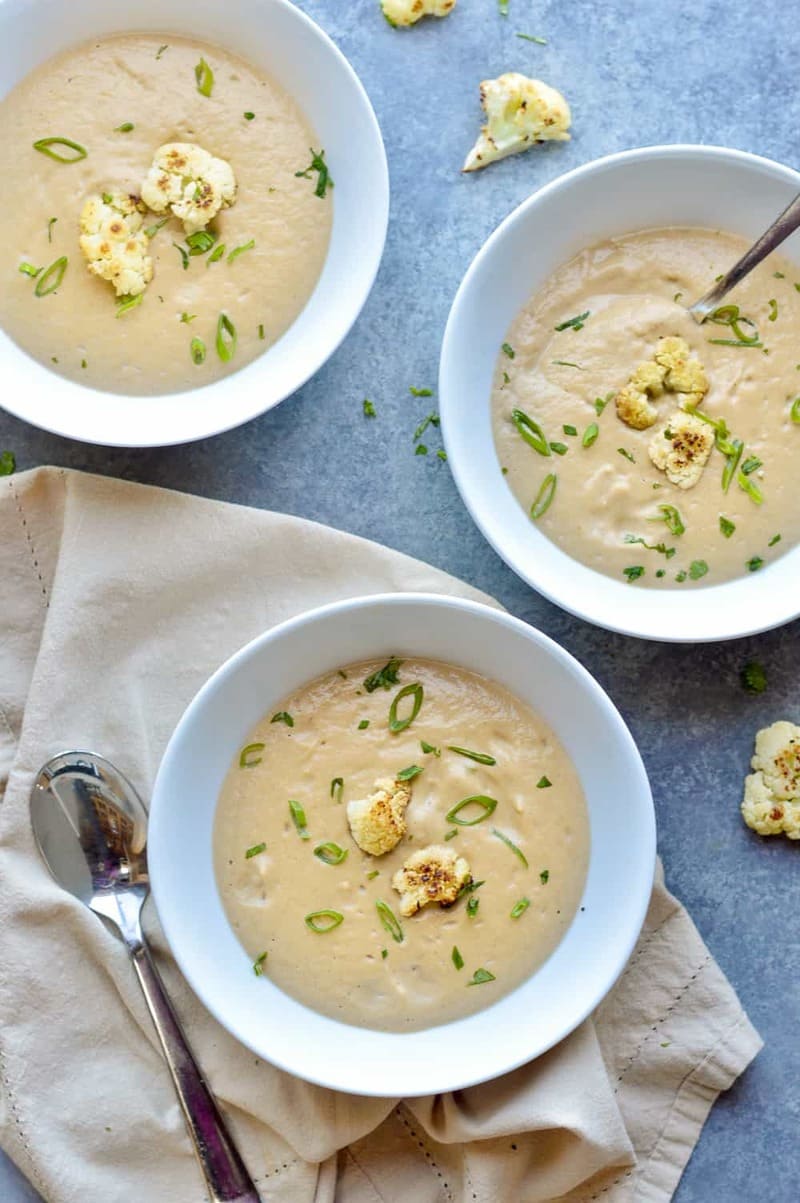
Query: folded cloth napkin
118	601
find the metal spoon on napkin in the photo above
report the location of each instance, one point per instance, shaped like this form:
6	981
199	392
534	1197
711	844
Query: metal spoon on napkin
781	228
91	828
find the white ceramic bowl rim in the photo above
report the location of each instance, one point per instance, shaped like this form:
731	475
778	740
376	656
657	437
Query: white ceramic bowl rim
519	1026
734	190
278	37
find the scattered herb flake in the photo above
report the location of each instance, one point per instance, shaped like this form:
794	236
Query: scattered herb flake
385	677
569	430
573	323
421	449
544	876
508	350
429	748
258	963
125	128
753	677
590	435
337	788
775	539
519	908
369	409
161	50
726	526
633	573
283	716
50	225
240	250
204	77
482	975
773	310
8	463
188	317
754	563
472	906
319	165
249	756
529	37
254	851
457	958
628	455
410	773
362	726
248	116
543	783
697	569
420	392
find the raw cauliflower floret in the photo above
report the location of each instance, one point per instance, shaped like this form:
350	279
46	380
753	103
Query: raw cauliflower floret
377	822
433	874
682	448
670	370
189	182
771	803
114	243
408	12
520	112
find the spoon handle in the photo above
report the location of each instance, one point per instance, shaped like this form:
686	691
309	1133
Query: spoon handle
228	1180
781	228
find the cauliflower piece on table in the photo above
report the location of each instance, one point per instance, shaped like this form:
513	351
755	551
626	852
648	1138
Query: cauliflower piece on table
189	182
771	803
433	874
377	822
672	370
408	12
681	448
114	243
520	112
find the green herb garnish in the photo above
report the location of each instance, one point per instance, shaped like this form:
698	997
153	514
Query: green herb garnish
729	315
726	526
420	392
254	851
732	458
472	906
661	548
45	147
558	448
519	908
590	434
751	464
672	518
510	844
697	569
200	242
421	449
204	77
750	488
240	250
125	128
362	726
567	363
184	254
508	350
754	563
384	677
428	748
457	958
573	323
543	783
680	577
442	455
530	431
542	500
299	819
28	269
794	412
481	757
480	976
197	350
451	835
8	463
775	539
369	409
415	691
51	277
528	37
544	876
319	165
337	788
125	304
226	338
283	717
601	402
216	254
410	773
151	231
160	51
628	455
188	317
372	874
753	677
389	921
321	922
249	756
261	331
330	853
248	116
482	803
50	225
633	573
773	310
430	420
258	963
570	430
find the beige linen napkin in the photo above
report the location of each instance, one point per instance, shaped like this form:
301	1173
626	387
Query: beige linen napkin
117	602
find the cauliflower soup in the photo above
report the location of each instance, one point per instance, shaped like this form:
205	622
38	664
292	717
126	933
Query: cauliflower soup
400	844
171	213
653	449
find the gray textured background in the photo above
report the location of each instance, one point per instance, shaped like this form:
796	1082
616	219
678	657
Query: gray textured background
635	74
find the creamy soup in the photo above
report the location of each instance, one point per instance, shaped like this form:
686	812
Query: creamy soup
91	95
579	342
320	917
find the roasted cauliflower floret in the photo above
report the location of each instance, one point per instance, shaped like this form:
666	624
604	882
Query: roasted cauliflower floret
433	874
670	370
189	182
681	448
377	822
771	803
408	12
114	243
520	113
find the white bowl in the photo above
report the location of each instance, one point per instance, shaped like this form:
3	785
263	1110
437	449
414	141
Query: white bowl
520	1026
635	190
287	45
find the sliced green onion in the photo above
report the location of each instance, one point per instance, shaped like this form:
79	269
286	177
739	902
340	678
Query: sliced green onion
258	964
389	921
451	835
751	464
240	250
249	756
735	342
528	37
322	922
726	526
8	463
773	310
544	876
261	334
510	844
729	315
187	317
283	716
590	434
384	677
319	165
732	463
457	958
51	277
628	455
254	851
337	788
197	350
410	773
373	873
429	748
751	489
45	145
28	269
481	757
601	402
299	819
484	805
330	853
573	323
754	563
421	449
151	231
248	116
160	51
184	254
519	908
396	725
697	569
542	500
420	392
775	539
362	726
226	338
794	412
543	783
205	78
530	431
569	430
559	448
216	254
472	906
671	516
200	242
125	128
480	976
508	350
125	304
567	363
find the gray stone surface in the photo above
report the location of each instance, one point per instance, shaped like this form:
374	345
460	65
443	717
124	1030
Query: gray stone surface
635	74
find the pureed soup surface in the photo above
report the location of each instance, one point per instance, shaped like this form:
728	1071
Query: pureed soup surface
344	972
149	81
608	493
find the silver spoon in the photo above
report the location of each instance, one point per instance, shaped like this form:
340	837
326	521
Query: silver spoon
91	827
777	233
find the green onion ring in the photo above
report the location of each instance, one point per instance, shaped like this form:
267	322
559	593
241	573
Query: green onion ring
226	338
389	921
486	804
44	147
322	922
396	725
542	500
330	853
51	277
530	431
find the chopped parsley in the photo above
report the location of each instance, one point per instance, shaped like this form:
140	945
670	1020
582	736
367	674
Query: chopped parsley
754	563
671	516
248	116
697	569
188	317
633	573
369	409
385	677
421	449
